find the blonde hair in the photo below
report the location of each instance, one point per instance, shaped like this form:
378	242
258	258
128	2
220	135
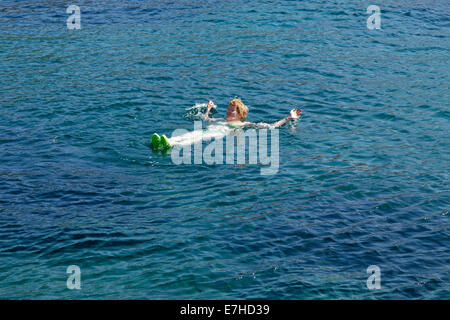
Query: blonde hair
241	108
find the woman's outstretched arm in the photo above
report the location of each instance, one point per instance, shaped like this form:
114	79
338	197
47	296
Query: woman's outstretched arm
294	114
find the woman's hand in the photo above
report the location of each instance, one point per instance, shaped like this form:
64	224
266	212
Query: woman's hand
295	114
208	109
210	105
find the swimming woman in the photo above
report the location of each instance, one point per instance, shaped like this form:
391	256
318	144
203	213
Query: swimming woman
235	118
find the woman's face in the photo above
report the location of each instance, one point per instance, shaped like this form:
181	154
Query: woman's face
232	112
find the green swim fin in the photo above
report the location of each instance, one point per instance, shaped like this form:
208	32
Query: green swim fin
164	142
156	140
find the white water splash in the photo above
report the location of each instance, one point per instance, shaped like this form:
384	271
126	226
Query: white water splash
198	110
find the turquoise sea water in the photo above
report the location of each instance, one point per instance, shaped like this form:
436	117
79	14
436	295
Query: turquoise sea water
363	177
